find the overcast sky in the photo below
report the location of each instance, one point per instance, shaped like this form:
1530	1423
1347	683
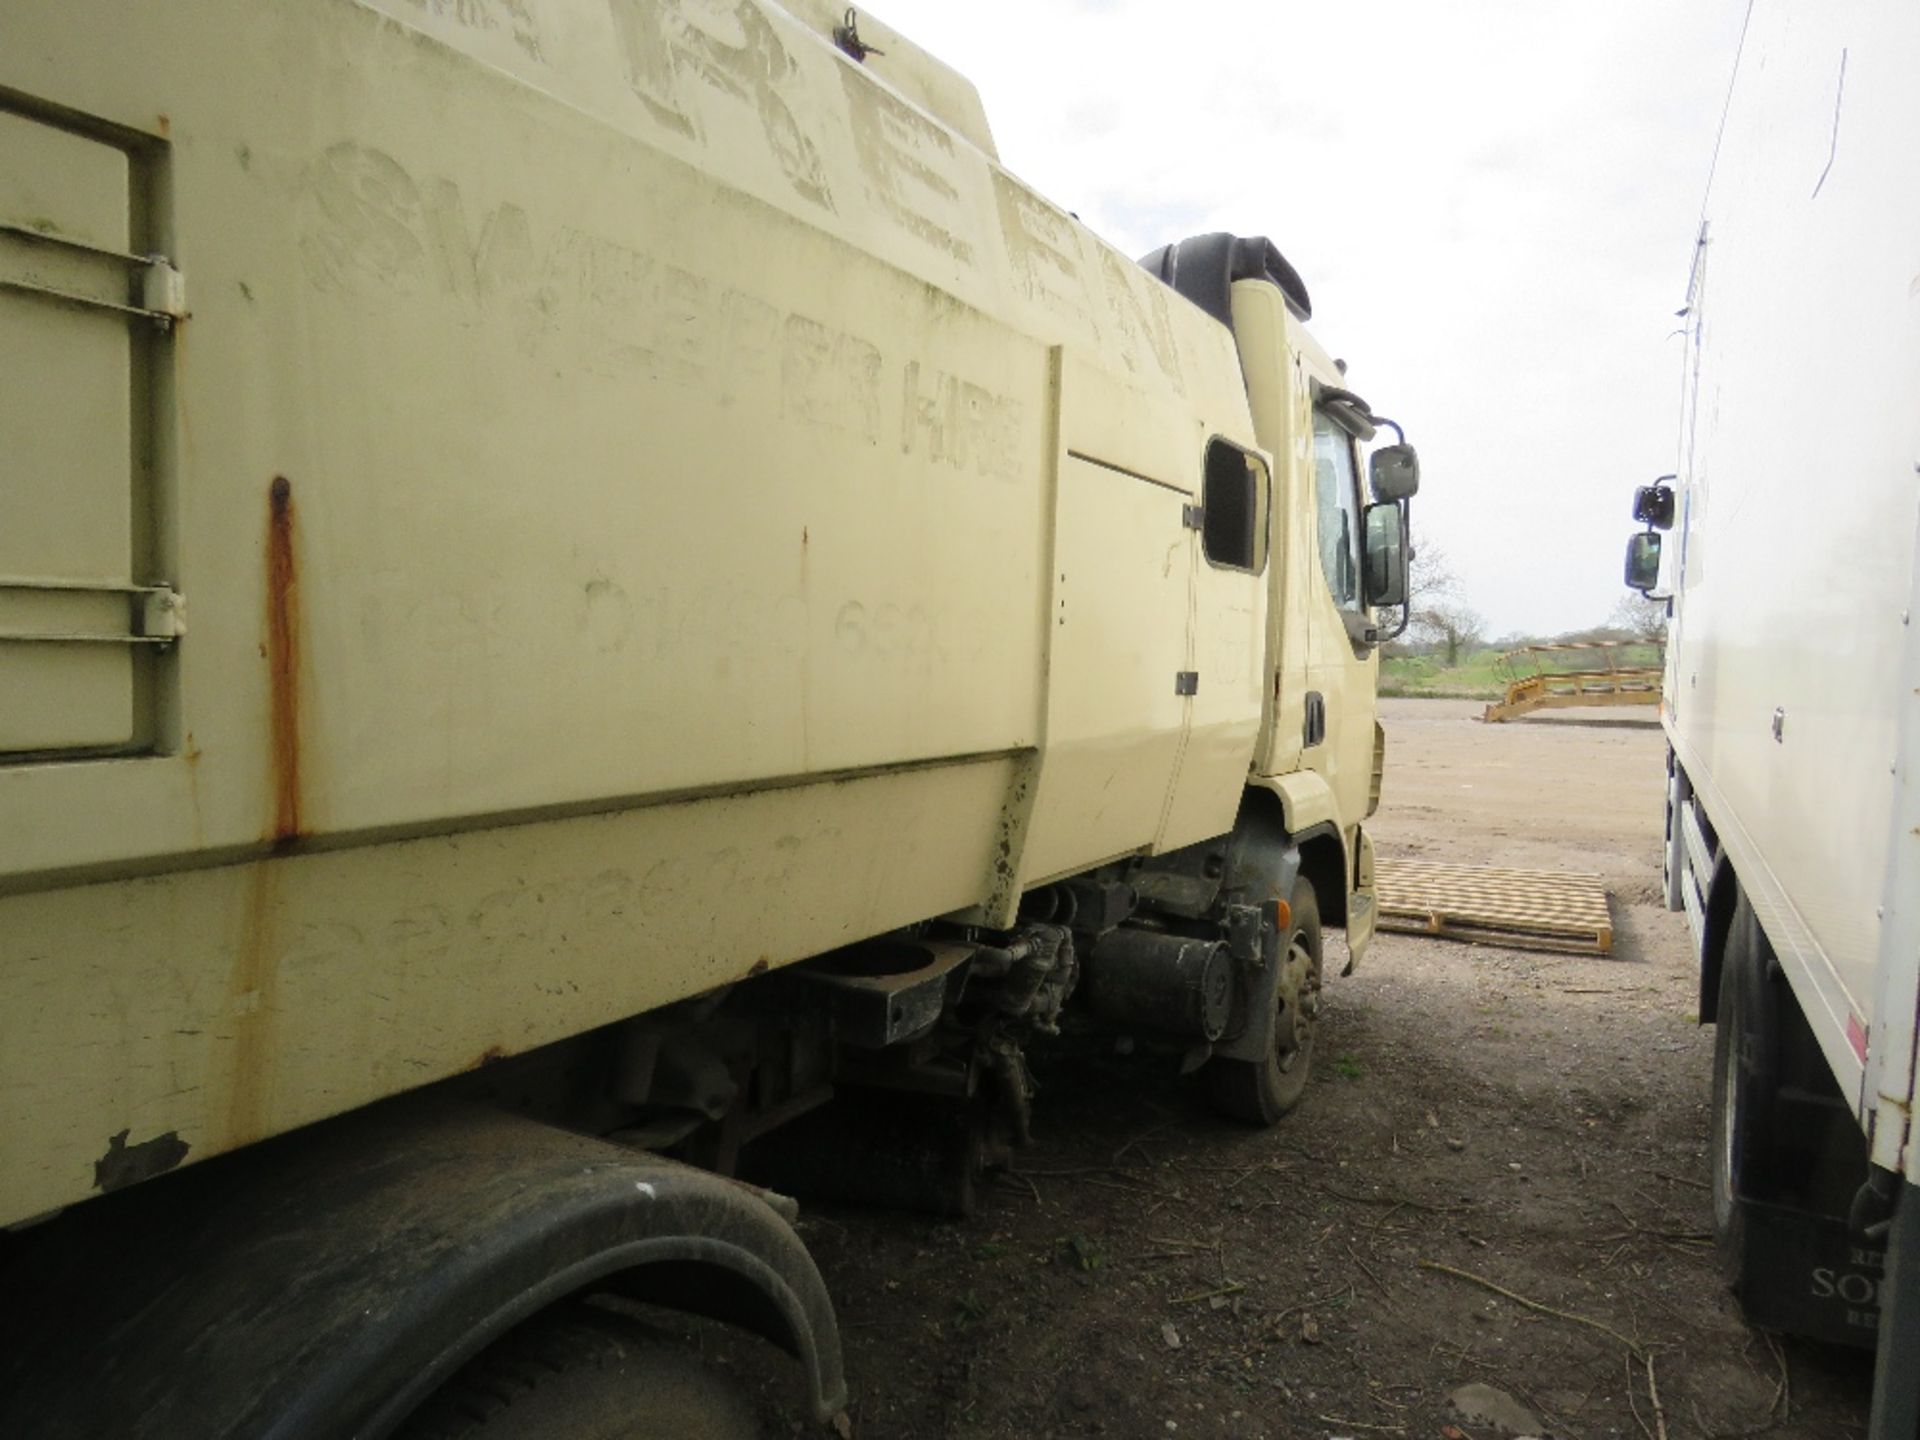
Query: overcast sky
1493	203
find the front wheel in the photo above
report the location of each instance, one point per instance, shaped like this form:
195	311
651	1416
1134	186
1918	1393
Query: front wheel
583	1374
1260	1092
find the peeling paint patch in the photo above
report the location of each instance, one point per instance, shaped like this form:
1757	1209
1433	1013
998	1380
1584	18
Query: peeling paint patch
125	1164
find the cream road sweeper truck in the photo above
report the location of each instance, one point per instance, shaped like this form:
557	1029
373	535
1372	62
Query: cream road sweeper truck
597	606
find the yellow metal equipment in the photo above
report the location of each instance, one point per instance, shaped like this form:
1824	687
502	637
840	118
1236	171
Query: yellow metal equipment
1554	677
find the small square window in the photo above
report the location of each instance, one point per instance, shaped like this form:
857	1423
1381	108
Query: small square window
1234	508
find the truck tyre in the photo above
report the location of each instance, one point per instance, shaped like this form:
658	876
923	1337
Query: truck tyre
1743	1084
583	1374
1259	1092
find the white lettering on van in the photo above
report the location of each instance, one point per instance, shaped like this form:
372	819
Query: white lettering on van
368	227
906	158
732	51
516	17
1044	246
1850	1286
1138	305
366	221
960	423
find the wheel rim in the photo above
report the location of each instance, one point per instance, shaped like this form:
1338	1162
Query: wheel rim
1298	998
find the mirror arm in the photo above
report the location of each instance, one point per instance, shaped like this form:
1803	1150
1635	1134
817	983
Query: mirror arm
1406	619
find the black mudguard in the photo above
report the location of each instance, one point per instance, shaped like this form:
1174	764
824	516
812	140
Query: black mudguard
319	1286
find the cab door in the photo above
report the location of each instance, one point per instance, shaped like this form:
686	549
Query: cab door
1227	628
1342	664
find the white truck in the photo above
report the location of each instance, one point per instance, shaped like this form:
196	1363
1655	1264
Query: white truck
596	602
1792	689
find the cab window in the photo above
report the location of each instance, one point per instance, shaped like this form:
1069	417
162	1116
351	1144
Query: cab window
1337	501
1234	508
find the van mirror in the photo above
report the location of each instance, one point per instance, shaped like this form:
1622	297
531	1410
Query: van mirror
1643	561
1393	471
1386	555
1653	505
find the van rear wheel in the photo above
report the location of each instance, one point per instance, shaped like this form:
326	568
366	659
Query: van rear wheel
1260	1092
579	1373
1744	1077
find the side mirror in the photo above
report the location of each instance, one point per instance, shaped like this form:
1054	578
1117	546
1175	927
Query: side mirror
1394	473
1643	561
1653	505
1386	558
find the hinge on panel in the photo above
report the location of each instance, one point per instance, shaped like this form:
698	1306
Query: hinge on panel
163	289
163	614
1193	516
1186	682
73	612
57	268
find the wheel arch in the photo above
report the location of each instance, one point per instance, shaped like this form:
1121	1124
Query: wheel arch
1723	900
331	1280
1323	861
1303	805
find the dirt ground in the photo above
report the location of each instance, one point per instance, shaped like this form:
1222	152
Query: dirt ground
1536	1120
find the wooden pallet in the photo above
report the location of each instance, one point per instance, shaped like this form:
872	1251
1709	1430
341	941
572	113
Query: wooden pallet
1528	909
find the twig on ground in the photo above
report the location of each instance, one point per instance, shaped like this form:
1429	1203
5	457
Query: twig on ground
1363	1425
1367	1270
1633	1346
1144	1134
1385	1216
1232	1287
1131	1187
1678	1237
1244	1176
1681	1180
1632	1403
1008	1176
1340	1294
1783	1392
1396	1201
1653	1394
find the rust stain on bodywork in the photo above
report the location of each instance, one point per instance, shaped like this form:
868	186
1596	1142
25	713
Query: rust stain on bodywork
251	997
255	973
283	662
